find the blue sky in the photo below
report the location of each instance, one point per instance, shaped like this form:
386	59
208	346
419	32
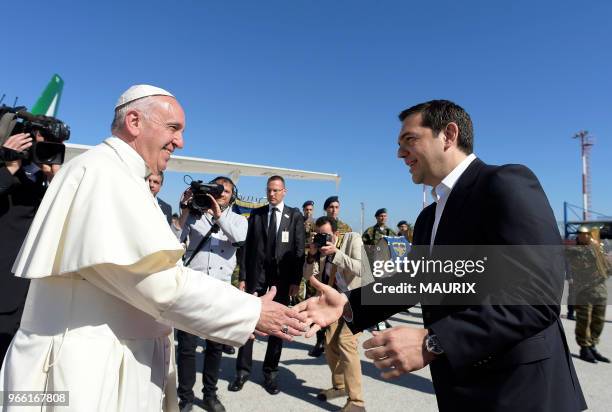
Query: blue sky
317	85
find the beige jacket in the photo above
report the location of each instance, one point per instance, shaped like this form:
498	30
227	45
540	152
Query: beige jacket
346	263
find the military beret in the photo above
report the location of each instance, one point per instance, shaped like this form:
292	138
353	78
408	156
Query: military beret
329	201
380	211
402	222
308	203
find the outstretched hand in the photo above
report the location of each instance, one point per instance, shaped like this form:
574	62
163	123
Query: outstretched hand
279	320
323	309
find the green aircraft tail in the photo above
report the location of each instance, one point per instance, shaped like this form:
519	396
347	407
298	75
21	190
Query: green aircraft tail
48	102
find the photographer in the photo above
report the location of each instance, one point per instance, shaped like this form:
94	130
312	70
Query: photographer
213	235
336	260
22	186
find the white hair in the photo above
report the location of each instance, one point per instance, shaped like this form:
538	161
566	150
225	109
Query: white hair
143	105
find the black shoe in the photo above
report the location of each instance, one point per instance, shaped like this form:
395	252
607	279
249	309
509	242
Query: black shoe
229	349
598	356
586	355
317	350
185	406
571	316
212	404
271	386
238	383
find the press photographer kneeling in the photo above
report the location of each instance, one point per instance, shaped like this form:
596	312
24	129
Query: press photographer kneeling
31	152
213	233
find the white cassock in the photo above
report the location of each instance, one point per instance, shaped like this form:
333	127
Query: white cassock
107	287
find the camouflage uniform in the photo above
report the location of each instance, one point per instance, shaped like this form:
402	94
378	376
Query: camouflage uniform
343	228
589	272
306	290
373	234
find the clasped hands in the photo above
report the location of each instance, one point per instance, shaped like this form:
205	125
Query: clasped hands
396	351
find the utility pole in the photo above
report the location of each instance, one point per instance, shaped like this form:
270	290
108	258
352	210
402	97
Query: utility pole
362	215
585	150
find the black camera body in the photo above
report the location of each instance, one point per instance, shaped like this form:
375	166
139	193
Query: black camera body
14	120
321	239
200	201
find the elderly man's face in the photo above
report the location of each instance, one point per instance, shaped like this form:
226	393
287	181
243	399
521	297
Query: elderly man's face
333	210
155	182
161	133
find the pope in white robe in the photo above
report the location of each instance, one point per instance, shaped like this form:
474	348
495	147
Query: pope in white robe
108	284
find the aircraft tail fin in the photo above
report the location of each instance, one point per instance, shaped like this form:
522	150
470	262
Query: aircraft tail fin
48	102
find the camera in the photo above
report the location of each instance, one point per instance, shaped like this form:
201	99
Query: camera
14	120
200	201
321	239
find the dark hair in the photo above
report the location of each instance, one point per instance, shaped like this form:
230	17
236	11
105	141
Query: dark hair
324	219
276	177
437	114
160	174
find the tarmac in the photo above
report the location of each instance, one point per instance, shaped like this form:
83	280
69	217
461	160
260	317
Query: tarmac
301	377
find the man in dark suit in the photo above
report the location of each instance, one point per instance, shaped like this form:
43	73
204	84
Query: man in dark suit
155	181
273	256
22	187
488	356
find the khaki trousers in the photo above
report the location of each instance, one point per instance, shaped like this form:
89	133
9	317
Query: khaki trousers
343	360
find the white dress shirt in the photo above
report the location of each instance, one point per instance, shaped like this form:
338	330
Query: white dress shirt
217	257
441	192
279	213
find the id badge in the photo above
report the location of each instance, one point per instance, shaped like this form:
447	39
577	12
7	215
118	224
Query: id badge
285	236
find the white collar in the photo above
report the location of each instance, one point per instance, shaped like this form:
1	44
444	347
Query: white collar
279	206
130	157
446	185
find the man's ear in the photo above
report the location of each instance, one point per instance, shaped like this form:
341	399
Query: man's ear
451	135
133	122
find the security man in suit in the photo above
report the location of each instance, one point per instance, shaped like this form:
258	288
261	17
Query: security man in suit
273	256
155	181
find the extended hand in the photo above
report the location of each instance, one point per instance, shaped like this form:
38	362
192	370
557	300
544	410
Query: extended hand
323	309
278	320
398	350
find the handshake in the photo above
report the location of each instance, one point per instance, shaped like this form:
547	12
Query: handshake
306	318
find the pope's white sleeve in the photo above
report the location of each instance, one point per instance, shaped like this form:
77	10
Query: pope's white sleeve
182	298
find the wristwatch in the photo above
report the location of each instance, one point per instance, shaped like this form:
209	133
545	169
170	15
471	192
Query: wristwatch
432	344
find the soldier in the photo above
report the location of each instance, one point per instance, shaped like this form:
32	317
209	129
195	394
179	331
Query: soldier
373	234
404	229
332	209
589	271
306	290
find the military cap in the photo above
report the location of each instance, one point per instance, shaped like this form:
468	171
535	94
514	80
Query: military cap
329	201
308	203
380	211
402	222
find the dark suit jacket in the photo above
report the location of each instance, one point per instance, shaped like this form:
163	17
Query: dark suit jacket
497	358
289	255
19	200
166	208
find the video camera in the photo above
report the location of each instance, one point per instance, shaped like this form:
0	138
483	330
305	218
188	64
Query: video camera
321	239
200	201
15	120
